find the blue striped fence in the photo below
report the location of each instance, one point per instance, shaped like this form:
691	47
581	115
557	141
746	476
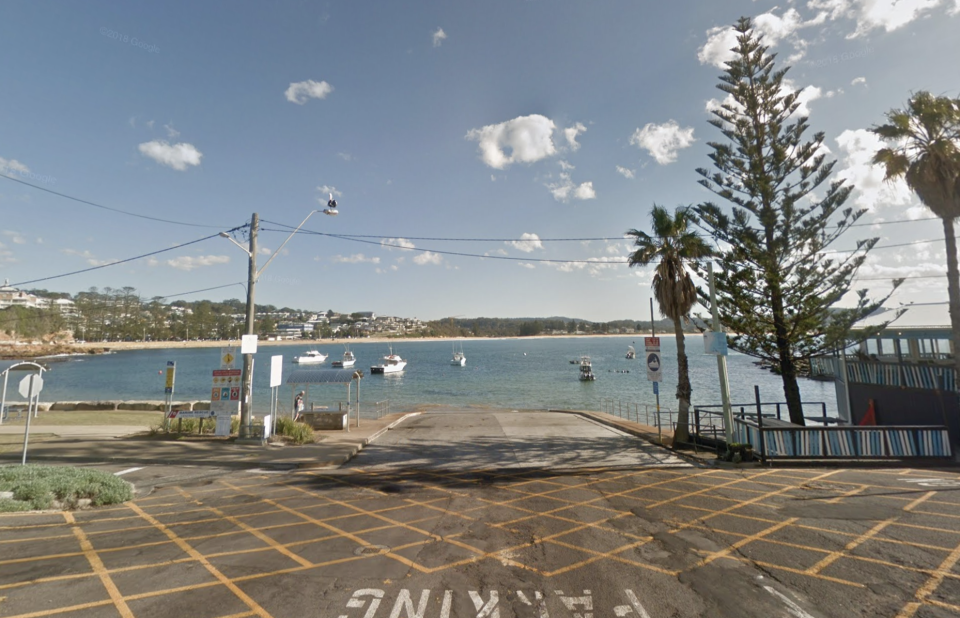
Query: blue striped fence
909	375
847	442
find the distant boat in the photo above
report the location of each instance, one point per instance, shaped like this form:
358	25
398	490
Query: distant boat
458	360
349	360
631	353
392	363
586	370
311	357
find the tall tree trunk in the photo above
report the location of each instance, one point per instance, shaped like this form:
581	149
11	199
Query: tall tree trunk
682	433
788	369
953	289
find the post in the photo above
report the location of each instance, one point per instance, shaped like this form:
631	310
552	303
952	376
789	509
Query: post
763	450
26	431
246	392
3	397
653	332
721	362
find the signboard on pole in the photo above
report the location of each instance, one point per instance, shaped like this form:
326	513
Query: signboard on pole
714	343
30	386
178	414
276	370
171	375
651	344
227	357
248	344
653	367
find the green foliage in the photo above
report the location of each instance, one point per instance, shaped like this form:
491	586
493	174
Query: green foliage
299	433
777	288
37	487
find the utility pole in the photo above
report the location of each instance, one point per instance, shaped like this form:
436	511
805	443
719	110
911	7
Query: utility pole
721	360
246	392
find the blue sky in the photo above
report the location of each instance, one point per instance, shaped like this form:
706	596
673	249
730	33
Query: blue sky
506	119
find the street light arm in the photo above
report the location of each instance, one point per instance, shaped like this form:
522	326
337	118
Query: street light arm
275	253
230	238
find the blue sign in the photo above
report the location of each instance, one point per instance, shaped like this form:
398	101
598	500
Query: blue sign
656	388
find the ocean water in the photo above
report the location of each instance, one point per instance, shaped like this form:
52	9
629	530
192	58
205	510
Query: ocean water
507	373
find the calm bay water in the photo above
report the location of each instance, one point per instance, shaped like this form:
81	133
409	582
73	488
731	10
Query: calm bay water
511	373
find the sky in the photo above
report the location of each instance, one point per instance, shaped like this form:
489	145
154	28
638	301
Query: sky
506	126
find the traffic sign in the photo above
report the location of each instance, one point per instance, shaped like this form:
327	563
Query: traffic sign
25	385
171	376
656	388
227	356
653	367
651	344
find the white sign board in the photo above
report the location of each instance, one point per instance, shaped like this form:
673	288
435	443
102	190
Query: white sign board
276	370
653	367
25	385
714	343
248	344
227	357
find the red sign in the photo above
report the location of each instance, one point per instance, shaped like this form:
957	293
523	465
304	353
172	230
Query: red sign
652	344
223	373
235	393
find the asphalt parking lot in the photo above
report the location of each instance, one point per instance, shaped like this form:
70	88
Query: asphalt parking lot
374	540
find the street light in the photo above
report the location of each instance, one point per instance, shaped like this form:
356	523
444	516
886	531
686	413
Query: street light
252	276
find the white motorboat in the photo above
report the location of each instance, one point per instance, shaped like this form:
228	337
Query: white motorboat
392	363
311	357
631	352
586	370
349	360
458	360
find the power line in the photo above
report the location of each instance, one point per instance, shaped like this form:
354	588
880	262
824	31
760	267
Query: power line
216	287
903	244
892	221
137	257
116	210
442	239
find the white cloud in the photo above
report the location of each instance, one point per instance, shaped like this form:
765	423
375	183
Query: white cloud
806	96
438	37
8	166
566	188
87	256
346	156
526	265
301	92
571	134
428	257
356	258
566	165
594	266
264	250
774	28
873	14
327	190
663	141
188	262
863	80
16	237
856	167
171	132
397	243
528	242
150	124
625	172
177	156
527	137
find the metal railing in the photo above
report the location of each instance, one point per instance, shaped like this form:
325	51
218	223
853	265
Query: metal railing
643	413
379	408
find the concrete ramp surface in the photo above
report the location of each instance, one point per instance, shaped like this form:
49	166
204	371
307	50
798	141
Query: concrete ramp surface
457	439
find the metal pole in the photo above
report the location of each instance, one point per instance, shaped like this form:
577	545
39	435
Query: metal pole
721	361
3	397
246	391
653	332
26	431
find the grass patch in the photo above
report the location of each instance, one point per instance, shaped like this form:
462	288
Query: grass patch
30	487
298	433
90	417
13	443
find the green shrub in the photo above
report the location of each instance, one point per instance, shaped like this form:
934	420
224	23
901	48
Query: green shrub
37	487
300	433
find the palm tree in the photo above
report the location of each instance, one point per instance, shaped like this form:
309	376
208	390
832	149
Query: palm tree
926	153
671	245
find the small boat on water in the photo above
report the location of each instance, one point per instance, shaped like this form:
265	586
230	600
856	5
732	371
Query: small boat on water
311	357
392	363
586	370
348	360
458	360
631	353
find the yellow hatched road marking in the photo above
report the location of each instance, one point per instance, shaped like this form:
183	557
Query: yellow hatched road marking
97	565
931	585
253	605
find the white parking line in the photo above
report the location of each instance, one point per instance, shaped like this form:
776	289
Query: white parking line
127	471
792	607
